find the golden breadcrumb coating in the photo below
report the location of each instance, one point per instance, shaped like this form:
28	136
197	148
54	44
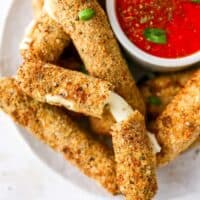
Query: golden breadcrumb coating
165	87
97	46
135	160
47	33
51	125
58	86
178	126
102	125
44	40
37	7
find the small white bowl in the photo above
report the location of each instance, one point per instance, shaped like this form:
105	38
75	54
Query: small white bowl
147	60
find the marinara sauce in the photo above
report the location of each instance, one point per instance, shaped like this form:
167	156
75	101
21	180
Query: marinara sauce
177	20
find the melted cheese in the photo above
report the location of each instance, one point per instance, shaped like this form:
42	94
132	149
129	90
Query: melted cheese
27	40
25	43
60	101
156	147
48	8
30	27
121	110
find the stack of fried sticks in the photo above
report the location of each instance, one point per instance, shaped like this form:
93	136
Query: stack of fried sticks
36	96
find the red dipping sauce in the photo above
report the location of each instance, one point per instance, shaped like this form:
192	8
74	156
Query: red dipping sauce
179	19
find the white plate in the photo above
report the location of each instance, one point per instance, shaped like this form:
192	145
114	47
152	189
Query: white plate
180	180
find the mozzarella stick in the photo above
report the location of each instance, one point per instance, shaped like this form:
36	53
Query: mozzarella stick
135	151
55	128
58	86
37	7
135	160
160	91
164	87
44	39
96	45
178	126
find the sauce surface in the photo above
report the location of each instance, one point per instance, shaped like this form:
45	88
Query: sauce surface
180	19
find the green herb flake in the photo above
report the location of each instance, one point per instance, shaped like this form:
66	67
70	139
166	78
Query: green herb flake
155	35
83	69
154	100
195	1
86	14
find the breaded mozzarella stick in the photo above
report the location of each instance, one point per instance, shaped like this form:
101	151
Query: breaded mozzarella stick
179	124
136	163
55	128
58	86
37	7
135	151
163	88
97	45
44	40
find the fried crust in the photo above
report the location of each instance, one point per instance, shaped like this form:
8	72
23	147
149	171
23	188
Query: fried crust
51	125
44	40
97	47
165	87
102	125
85	94
178	126
135	161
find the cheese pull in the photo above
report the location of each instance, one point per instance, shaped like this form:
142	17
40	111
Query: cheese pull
62	87
121	111
52	126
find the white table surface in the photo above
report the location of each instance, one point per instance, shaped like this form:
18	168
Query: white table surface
22	175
